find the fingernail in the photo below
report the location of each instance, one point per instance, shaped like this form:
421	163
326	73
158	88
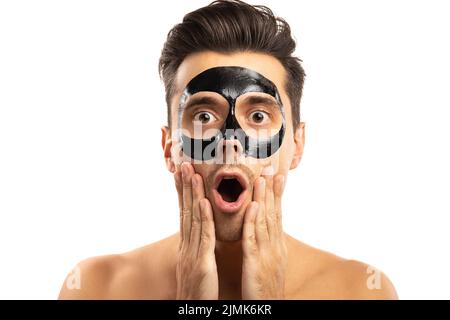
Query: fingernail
267	171
262	182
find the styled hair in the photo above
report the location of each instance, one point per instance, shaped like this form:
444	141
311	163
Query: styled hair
229	26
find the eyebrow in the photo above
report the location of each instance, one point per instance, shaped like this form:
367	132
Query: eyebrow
207	100
200	101
260	100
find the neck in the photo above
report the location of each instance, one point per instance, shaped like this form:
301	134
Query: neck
229	268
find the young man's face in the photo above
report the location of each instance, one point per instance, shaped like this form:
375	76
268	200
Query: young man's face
230	172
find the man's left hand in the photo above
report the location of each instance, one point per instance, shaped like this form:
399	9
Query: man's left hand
264	249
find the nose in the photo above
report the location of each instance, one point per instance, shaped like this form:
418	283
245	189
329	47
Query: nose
229	150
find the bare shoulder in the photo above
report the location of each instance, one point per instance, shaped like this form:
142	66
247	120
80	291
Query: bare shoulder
333	277
143	273
362	281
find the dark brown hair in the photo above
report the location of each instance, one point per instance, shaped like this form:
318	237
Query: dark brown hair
228	26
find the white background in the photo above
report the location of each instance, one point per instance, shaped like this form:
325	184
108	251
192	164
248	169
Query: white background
81	106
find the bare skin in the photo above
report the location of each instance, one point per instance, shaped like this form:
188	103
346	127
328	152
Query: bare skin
221	255
150	273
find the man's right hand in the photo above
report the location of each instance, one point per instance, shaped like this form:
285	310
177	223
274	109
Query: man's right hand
196	268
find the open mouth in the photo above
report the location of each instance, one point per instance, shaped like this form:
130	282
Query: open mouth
229	192
230	189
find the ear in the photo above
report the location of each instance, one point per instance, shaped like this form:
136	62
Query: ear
299	141
166	143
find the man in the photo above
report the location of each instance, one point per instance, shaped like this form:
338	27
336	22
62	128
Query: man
233	93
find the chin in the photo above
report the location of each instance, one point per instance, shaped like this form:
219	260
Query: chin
228	227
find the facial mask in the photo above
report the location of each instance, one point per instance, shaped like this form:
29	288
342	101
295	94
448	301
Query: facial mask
230	103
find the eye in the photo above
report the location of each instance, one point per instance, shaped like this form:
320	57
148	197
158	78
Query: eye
204	117
259	116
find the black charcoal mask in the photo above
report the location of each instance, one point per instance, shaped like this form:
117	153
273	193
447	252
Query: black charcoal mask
230	103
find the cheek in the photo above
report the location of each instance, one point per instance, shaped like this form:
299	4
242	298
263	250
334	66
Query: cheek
178	157
281	159
205	171
285	153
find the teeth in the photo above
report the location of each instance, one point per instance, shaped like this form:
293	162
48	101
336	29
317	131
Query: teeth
228	178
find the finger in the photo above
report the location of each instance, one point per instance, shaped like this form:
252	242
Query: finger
186	172
259	196
269	208
249	245
208	235
278	188
179	187
198	193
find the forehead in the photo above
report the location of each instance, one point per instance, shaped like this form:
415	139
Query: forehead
230	82
263	64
